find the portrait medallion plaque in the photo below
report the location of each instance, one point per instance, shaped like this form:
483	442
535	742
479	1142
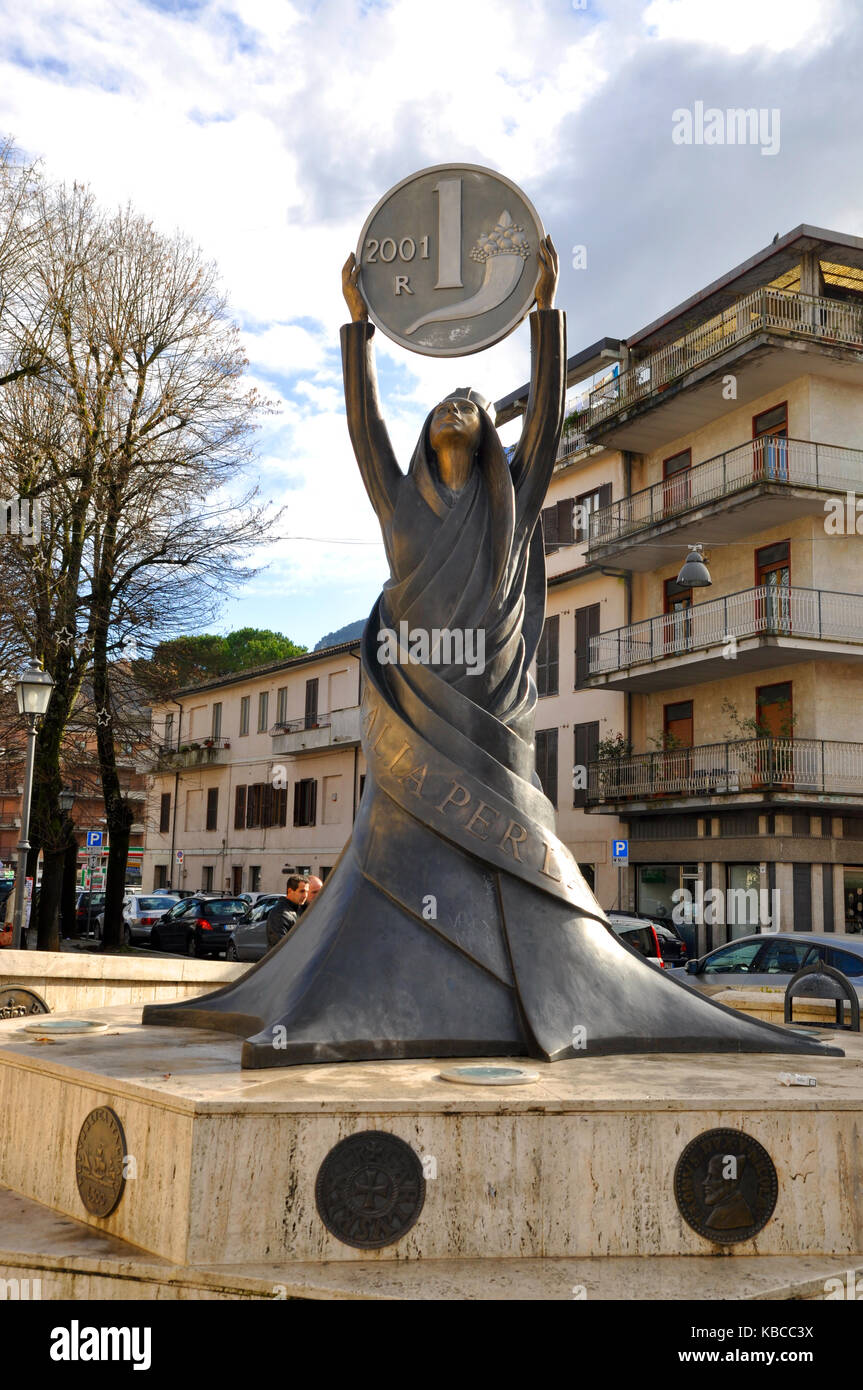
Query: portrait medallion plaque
725	1186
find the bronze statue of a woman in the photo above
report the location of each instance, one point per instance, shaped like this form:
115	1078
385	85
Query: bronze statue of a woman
455	922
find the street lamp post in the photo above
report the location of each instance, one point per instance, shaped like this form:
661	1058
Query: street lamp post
33	689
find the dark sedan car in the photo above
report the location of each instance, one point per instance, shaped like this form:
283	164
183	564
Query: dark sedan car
199	926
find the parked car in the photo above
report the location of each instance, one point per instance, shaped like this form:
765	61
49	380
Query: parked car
249	939
140	913
658	942
771	959
199	926
88	905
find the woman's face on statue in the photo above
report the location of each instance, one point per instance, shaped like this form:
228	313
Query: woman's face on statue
455	422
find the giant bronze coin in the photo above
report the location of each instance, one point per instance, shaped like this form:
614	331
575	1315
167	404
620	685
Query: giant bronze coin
99	1161
725	1186
16	1001
448	260
370	1189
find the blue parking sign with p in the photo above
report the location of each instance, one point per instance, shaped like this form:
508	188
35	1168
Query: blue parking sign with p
620	851
94	839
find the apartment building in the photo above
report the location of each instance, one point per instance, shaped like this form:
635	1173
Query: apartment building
81	779
722	726
255	773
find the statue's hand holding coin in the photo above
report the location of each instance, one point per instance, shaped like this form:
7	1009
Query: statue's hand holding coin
351	290
548	274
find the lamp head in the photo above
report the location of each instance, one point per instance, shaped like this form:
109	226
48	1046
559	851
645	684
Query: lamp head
33	689
694	573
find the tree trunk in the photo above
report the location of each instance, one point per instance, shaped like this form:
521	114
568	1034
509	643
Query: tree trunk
49	899
68	894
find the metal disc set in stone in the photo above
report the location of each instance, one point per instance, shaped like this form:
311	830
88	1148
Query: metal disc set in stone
370	1188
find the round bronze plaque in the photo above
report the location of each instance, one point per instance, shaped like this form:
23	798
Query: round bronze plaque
18	1002
99	1161
370	1189
725	1186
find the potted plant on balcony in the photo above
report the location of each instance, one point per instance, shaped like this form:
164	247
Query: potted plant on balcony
611	752
209	742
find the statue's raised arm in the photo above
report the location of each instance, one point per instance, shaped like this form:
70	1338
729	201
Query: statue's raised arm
534	456
374	452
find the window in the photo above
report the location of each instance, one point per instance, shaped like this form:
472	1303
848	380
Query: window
239	808
263	708
585	742
282	705
547	657
212	808
853	886
254	802
770	449
557	525
584	507
546	762
244	715
845	961
305	801
586	626
678	725
161	879
732	960
774	712
216	731
771	423
588	873
254	878
164	812
675	480
280	806
786	957
207	878
311	715
169	730
742	899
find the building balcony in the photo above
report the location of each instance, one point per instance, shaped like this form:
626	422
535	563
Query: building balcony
340	728
747	770
624	411
750	488
205	752
752	630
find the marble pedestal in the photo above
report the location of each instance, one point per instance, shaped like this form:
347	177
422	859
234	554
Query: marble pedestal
577	1166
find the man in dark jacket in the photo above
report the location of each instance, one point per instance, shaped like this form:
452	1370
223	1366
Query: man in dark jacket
283	915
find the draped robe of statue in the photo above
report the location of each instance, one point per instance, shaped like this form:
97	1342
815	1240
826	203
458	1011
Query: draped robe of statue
455	922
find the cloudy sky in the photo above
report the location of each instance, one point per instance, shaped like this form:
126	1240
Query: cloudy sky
268	130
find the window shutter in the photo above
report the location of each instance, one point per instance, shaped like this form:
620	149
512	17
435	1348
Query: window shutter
586	626
240	808
564	521
586	741
549	520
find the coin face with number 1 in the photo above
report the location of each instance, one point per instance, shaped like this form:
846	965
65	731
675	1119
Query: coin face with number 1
448	260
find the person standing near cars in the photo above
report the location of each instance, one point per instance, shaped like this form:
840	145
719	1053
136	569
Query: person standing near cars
283	916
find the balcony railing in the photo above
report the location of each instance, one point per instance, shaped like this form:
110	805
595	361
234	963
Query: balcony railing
296	726
746	765
765	310
793	462
763	611
571	441
194	754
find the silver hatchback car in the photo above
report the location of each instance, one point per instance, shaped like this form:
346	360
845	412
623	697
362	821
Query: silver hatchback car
751	962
